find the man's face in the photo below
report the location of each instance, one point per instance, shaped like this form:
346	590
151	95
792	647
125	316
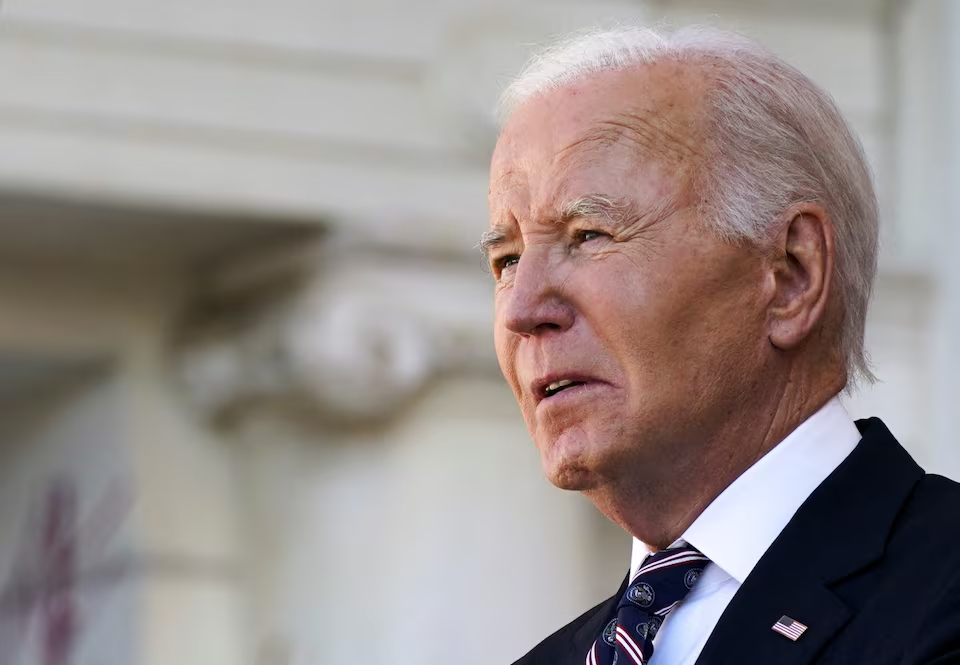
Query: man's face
607	279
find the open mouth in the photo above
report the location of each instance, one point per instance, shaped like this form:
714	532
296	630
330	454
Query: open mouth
559	386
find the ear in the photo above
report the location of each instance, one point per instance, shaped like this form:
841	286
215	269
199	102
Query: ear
801	272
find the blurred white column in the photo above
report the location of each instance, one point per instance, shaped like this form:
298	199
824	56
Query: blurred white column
946	324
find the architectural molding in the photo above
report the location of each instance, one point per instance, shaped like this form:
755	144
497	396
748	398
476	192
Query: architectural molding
281	25
352	332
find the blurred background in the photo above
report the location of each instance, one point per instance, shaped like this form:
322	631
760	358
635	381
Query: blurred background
249	408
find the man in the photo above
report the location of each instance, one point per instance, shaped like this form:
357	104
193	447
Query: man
683	237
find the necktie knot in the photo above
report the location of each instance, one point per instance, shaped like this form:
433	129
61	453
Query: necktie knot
659	585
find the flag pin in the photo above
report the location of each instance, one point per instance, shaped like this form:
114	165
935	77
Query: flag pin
790	628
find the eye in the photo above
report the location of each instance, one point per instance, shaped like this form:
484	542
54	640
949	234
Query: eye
504	262
587	235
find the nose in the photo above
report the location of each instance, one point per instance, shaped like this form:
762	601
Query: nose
535	302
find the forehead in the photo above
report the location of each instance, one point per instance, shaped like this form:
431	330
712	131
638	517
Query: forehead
646	114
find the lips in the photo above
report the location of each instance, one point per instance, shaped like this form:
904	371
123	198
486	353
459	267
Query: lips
555	384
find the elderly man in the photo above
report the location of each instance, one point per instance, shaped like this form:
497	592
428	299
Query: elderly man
683	236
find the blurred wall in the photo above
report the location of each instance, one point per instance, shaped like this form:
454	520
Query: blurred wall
64	462
239	278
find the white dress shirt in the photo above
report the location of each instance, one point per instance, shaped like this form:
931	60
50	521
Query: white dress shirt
740	525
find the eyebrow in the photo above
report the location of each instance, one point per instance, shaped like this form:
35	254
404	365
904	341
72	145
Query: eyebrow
612	208
490	240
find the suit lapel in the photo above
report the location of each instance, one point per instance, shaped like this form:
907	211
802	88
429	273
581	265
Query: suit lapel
745	632
842	528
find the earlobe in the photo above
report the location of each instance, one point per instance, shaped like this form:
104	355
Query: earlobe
801	275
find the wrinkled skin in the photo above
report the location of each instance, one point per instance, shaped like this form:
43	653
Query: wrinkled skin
689	350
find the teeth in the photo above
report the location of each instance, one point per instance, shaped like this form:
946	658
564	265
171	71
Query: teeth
558	384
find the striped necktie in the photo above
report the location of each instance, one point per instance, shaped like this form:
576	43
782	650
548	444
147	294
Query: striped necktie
659	585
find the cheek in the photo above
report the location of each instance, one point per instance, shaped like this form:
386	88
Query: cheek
505	344
627	310
653	325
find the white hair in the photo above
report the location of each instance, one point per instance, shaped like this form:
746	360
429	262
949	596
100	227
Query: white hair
777	139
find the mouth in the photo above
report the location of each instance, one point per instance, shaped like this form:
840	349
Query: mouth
551	387
560	386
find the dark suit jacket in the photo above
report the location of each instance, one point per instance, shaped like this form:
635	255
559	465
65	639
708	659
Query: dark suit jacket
870	563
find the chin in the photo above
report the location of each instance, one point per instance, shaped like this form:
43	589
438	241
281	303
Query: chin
566	469
571	478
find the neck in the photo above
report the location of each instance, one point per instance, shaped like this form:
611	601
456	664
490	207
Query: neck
657	508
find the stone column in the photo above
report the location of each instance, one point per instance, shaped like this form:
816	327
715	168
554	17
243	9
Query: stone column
946	330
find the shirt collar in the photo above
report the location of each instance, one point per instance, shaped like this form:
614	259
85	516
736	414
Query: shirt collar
740	525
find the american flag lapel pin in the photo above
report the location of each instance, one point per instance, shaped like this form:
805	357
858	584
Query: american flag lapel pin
790	628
